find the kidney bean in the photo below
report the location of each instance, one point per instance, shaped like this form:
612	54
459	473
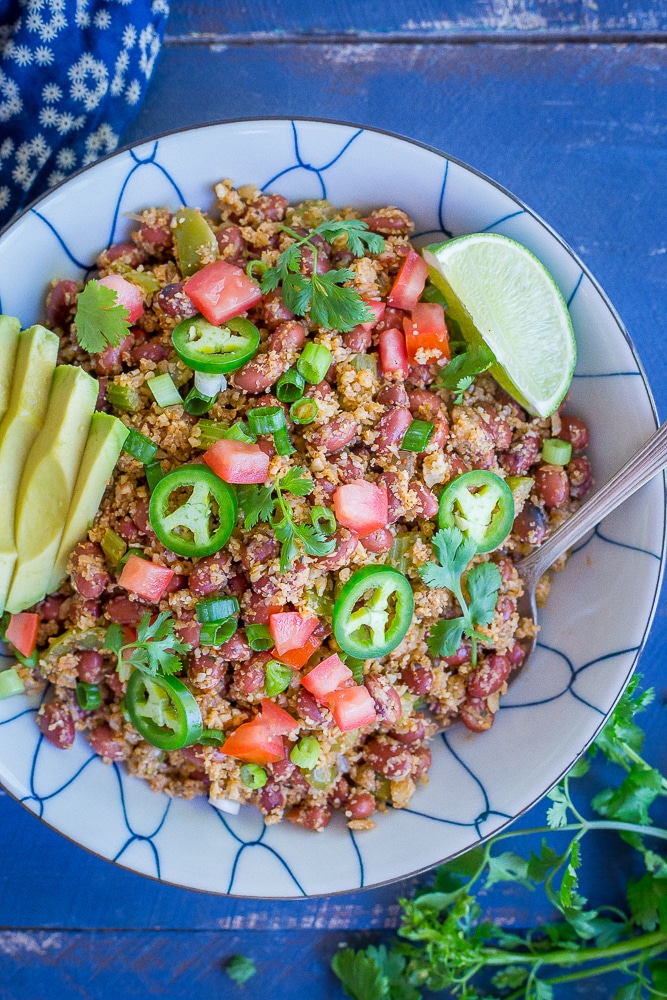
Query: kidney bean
378	541
552	485
61	304
418	679
312	817
530	525
109	361
393	394
238	584
235	649
420	376
346	546
396	509
152	350
360	805
416	733
250	676
259	374
516	654
90	668
574	430
427	502
342	258
462	655
274	310
56	724
177	582
210	574
476	715
126	252
50	607
340	793
188	630
141	518
391	319
499	430
388	757
389	223
266	587
271	797
128	530
422	760
320	391
174	302
425	405
308	708
323	262
89	573
348	470
385	698
506	608
102	385
230	244
257	609
269	207
124	611
206	672
337	434
358	339
391	428
259	549
517	460
117	685
285	771
580	476
325	485
107	744
288	338
439	436
489	676
154	238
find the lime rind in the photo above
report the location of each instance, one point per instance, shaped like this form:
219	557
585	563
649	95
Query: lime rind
501	294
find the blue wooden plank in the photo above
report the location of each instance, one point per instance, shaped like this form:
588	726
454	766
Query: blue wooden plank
421	18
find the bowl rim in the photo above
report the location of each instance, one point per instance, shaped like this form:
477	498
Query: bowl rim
157	137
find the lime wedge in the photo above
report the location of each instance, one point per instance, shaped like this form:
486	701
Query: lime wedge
501	295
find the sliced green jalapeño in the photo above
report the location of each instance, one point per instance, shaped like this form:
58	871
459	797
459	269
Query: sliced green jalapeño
373	612
215	349
481	505
192	511
163	710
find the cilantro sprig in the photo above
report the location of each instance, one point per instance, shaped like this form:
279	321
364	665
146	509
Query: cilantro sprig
454	551
100	320
330	304
156	650
459	374
270	505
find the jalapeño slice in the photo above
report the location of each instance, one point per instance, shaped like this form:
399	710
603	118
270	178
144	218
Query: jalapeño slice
215	349
373	612
481	505
163	710
192	511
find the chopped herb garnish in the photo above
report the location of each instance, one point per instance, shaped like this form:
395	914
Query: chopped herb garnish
156	649
240	969
460	373
100	320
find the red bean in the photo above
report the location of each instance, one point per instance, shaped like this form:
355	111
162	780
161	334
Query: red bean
395	505
249	677
358	339
274	310
489	676
231	244
378	541
210	574
107	744
271	797
552	485
516	654
312	817
388	757
439	436
414	734
102	386
574	430
530	525
389	223
323	262
338	433
360	805
89	573
57	724
257	609
259	549
260	373
325	485
385	698
174	302
393	394
419	376
269	207
476	715
49	609
391	429
285	771
425	405
462	655
288	338
236	649
506	608
90	668
340	793
499	429
188	631
126	253
418	679
177	582
308	708
421	761
154	238
238	584
128	530
580	476
152	350
141	518
117	685
124	611
391	319
61	304
427	502
206	671
521	455
346	546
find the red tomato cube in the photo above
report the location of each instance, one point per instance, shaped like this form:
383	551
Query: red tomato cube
352	707
238	461
409	283
254	743
276	719
290	630
298	658
363	507
377	308
127	294
221	291
22	631
426	334
326	677
144	578
393	353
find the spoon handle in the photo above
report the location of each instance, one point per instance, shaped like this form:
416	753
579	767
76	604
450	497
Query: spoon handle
643	466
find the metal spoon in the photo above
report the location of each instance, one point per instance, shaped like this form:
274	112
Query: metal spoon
643	466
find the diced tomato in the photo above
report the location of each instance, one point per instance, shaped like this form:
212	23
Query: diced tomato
326	677
298	658
352	707
260	741
393	353
22	631
290	630
426	331
260	614
127	294
361	506
276	719
144	578
377	308
409	283
238	461
221	291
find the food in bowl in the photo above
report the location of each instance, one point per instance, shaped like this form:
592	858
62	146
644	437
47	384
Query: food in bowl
304	561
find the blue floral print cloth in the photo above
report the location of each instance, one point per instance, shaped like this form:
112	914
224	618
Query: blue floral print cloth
72	77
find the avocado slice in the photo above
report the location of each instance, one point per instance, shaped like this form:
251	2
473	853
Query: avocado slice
47	484
10	327
36	358
105	440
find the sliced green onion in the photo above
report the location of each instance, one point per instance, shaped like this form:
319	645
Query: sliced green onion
323	519
154	474
164	391
282	442
216	609
113	546
256	266
212	738
304	411
210	383
305	753
10	684
417	436
88	696
253	776
217	633
239	432
124	397
364	362
210	431
314	362
139	446
290	386
556	452
259	637
196	403
278	677
267	419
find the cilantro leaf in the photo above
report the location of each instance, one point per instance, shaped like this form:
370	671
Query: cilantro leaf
444	638
240	969
313	540
454	552
631	801
257	504
335	307
297	482
100	319
483	583
359	237
156	649
460	373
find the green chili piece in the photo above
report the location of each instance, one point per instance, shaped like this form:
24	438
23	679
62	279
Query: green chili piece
88	696
123	397
139	446
10	684
113	546
194	241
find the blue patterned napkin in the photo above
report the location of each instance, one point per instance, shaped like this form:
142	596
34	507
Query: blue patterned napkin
72	77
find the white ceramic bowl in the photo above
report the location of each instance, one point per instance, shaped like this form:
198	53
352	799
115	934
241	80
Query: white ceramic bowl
587	650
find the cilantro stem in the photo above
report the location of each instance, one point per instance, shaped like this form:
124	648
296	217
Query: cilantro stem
594	824
599	970
640	762
578	956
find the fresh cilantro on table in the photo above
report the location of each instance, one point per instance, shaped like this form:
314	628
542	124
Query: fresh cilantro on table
459	374
156	650
240	969
100	320
446	944
269	504
330	304
482	583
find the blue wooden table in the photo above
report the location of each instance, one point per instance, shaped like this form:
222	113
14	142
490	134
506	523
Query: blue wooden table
565	103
